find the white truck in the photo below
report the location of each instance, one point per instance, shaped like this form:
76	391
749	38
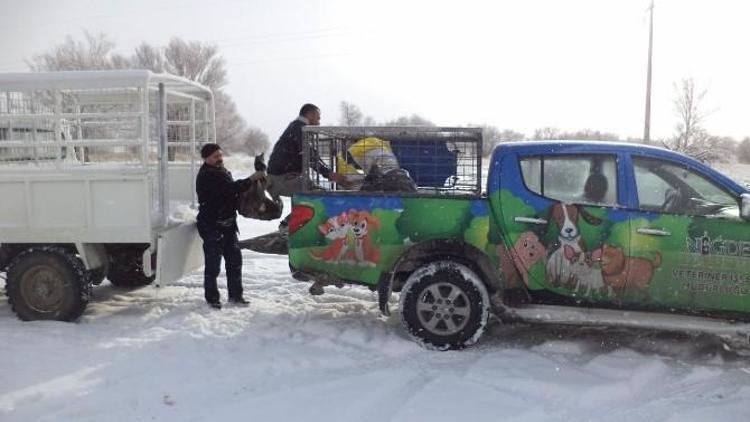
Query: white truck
97	174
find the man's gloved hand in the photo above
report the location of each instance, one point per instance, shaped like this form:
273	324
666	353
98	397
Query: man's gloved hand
261	174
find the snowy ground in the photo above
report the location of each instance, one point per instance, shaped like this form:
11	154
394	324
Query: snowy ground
161	354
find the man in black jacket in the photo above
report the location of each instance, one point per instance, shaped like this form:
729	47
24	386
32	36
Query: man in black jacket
218	194
285	164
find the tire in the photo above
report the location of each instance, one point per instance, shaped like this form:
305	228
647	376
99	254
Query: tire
444	306
47	283
126	269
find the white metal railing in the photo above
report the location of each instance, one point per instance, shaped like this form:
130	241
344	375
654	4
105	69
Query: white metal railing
51	123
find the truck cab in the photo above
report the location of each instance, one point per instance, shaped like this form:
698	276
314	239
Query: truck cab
621	225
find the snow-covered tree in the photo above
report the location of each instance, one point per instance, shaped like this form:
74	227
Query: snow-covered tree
148	57
743	151
491	136
413	120
690	137
350	114
94	52
196	61
192	60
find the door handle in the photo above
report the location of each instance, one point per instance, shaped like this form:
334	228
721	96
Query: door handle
654	232
530	220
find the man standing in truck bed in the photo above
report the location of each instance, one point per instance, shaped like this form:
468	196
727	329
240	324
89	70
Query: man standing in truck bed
285	164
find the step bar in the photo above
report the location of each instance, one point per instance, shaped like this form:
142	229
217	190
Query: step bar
553	314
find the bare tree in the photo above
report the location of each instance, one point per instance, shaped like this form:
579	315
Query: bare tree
546	133
413	120
94	52
690	137
230	126
148	57
589	134
255	141
232	131
552	133
491	136
350	114
196	61
743	151
192	60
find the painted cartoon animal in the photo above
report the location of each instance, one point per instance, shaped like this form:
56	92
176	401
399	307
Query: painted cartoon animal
585	270
624	272
566	217
362	225
527	251
511	277
335	229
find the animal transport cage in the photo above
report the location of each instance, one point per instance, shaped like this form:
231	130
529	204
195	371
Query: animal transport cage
440	160
101	158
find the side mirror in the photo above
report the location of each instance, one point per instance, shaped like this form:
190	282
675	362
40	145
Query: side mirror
745	206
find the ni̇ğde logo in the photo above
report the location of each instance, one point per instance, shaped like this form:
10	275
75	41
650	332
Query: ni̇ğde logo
705	245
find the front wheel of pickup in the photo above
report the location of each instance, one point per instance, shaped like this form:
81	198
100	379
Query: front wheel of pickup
47	283
444	306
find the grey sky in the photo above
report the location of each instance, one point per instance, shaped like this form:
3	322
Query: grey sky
515	64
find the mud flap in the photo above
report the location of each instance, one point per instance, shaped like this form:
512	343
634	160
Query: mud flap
179	252
384	294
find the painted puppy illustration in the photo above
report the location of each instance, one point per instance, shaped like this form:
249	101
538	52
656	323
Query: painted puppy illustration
362	225
624	272
527	251
585	271
566	217
335	229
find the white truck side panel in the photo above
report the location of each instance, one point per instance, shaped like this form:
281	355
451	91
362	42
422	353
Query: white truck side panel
58	209
181	184
58	204
13	208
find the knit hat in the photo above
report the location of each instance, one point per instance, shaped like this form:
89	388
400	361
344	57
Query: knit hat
209	149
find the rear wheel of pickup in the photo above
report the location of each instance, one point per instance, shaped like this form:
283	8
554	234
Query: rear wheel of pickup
48	283
444	305
126	268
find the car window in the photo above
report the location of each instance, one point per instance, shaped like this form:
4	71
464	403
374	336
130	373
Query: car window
579	179
671	188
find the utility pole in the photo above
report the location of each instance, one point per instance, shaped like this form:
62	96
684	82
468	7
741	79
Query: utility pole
647	125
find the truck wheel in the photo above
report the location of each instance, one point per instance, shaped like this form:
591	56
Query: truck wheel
47	283
444	305
126	269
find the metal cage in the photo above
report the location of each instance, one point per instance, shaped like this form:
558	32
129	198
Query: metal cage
439	160
111	148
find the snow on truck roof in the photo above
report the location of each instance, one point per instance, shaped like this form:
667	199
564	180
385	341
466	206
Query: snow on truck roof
99	79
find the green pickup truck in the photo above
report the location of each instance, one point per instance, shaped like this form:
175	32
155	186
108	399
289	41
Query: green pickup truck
565	232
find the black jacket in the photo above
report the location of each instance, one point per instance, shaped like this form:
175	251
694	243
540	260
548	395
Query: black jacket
218	194
286	156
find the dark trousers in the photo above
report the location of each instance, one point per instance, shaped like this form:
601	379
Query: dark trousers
218	242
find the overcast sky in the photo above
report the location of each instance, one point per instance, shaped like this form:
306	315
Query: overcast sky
520	64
